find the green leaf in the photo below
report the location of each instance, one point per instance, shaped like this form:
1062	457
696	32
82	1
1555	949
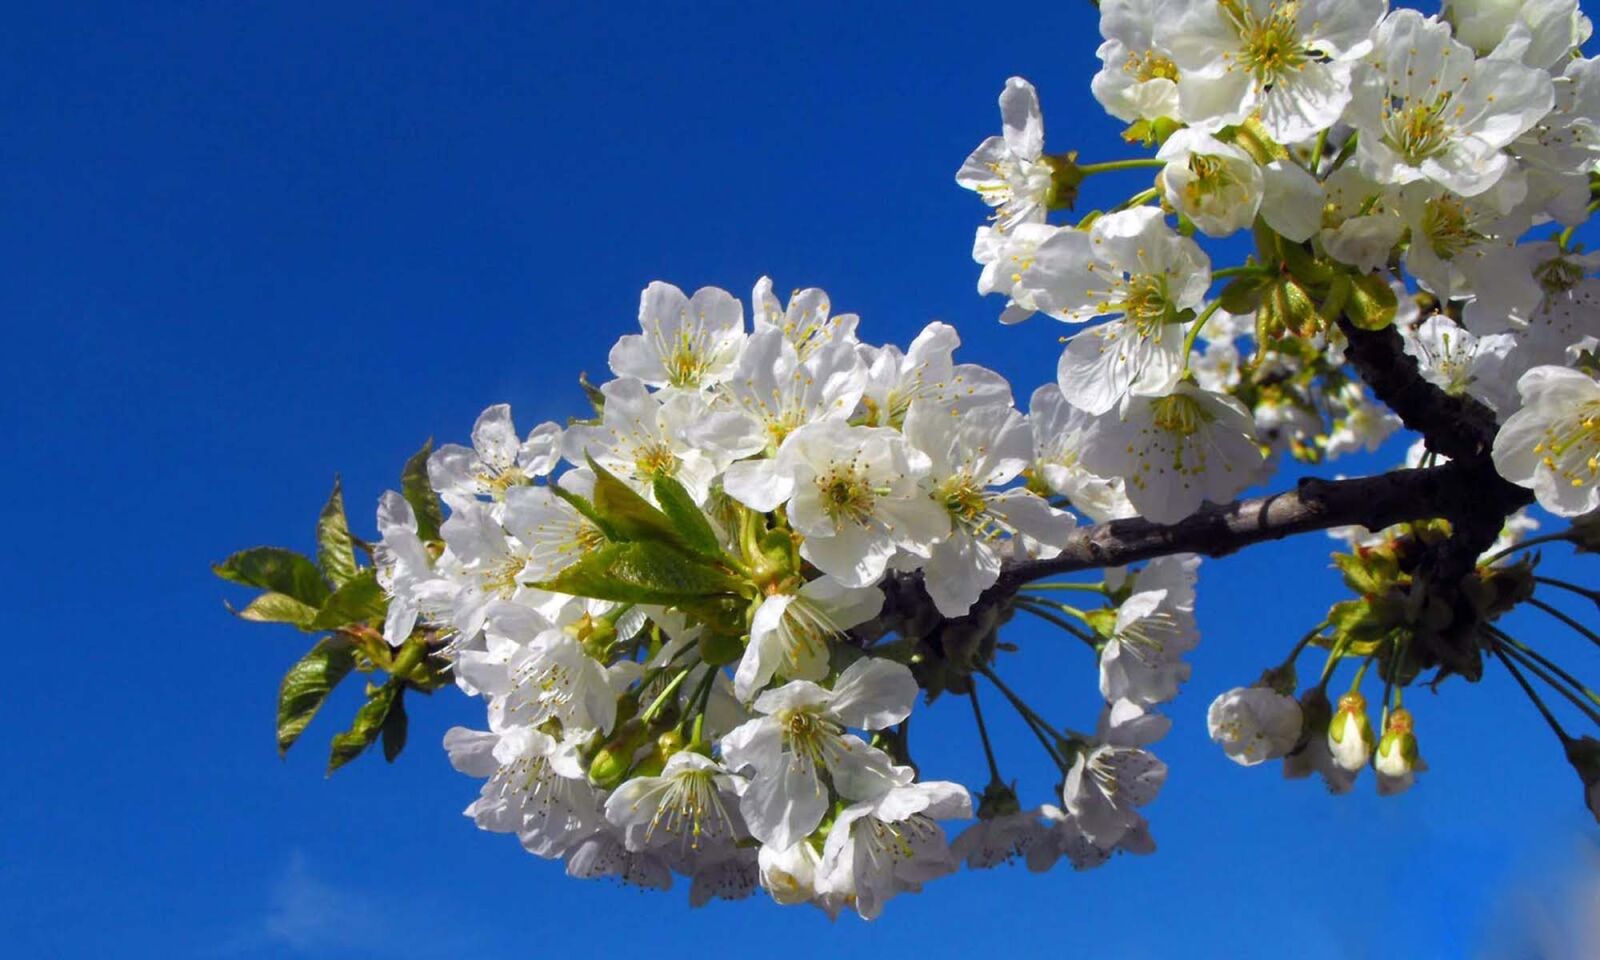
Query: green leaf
276	569
585	508
414	486
369	722
1372	304
597	400
1242	294
358	601
277	608
334	552
686	517
641	572
307	684
394	727
631	516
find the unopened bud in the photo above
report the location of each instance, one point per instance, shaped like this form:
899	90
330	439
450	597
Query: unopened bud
1350	737
1397	760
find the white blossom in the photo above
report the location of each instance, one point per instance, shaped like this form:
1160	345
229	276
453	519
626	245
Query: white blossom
688	342
1009	171
1254	724
1552	445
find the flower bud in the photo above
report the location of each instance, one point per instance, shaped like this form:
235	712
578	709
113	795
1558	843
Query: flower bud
1584	755
1350	733
1397	760
610	764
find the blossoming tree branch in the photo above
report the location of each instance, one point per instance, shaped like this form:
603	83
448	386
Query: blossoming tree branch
702	613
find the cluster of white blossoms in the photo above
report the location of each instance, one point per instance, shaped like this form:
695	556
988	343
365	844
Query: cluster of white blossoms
700	618
656	605
1368	148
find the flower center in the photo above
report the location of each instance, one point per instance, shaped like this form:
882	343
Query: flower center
1416	130
1180	414
1570	447
1447	224
691	808
1145	303
1557	276
655	459
1269	46
846	496
1149	65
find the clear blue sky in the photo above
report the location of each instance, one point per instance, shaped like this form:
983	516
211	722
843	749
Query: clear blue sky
248	245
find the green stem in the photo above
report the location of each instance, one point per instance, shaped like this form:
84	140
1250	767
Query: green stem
661	698
1523	545
1317	149
1345	152
1538	671
1142	197
1565	237
1194	331
1061	585
1304	642
1548	664
697	702
1572	587
1533	695
1239	271
983	734
1109	166
1021	706
1593	637
1046	615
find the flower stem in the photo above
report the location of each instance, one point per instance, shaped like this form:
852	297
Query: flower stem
1572	587
1112	165
1533	695
1194	330
1086	587
1046	615
1580	628
1538	671
1021	706
1523	545
662	697
983	734
1304	642
1142	197
1547	663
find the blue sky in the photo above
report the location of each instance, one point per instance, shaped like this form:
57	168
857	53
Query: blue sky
248	246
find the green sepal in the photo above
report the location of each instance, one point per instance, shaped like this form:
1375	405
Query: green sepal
360	600
641	572
1372	303
369	722
278	570
418	491
686	517
335	554
1242	295
394	727
307	685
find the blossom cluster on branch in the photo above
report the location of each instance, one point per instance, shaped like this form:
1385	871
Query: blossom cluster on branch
700	616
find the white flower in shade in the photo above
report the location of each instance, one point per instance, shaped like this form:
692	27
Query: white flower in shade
689	810
1176	452
1315	755
1361	221
1104	364
1287	62
1058	427
1008	260
1459	244
643	435
801	733
1216	185
999	839
1254	724
553	531
1361	424
497	459
926	371
970	454
1562	148
1140	661
1552	445
1137	81
891	844
1350	739
853	493
1009	171
1396	758
1064	838
1461	364
776	392
602	854
402	563
1105	784
1545	295
731	875
688	342
1130	263
792	633
482	564
1216	366
553	678
1426	108
536	787
1539	33
807	321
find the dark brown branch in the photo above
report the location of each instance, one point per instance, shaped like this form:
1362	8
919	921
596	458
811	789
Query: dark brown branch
1371	502
1458	427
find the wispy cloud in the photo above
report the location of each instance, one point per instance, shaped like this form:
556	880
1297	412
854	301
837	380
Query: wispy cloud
1550	914
306	915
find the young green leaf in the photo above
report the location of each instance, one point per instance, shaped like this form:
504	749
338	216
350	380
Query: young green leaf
307	684
276	569
272	607
369	722
1372	304
334	551
414	486
686	518
358	601
630	515
394	727
641	572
